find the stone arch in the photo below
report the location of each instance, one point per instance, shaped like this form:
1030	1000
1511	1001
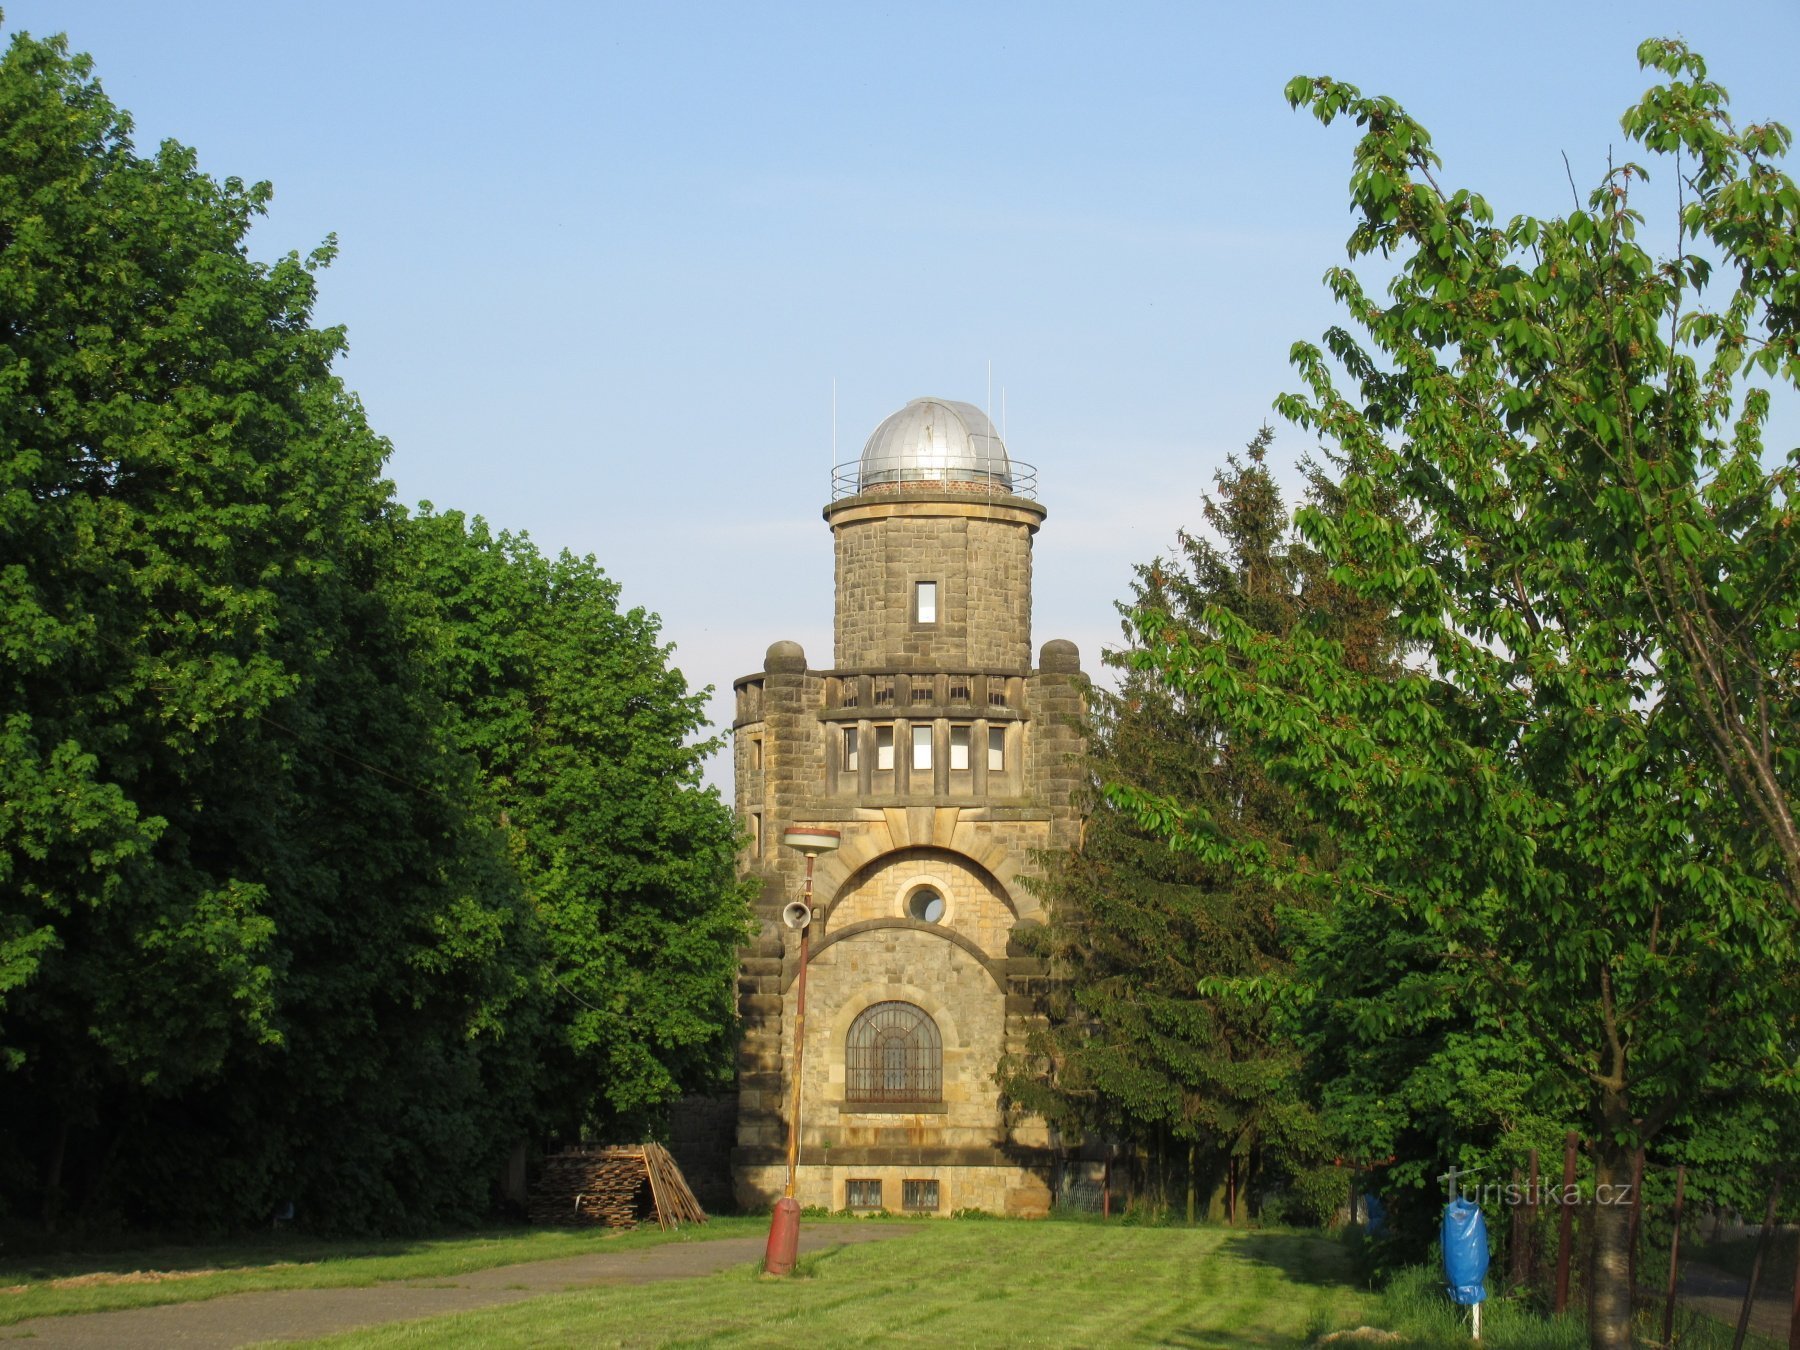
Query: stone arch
951	1034
996	970
825	902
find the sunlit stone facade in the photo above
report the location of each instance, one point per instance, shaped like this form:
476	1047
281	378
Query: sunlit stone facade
945	760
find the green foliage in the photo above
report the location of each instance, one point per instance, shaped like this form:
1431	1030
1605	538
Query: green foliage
586	741
1566	832
1152	1038
338	851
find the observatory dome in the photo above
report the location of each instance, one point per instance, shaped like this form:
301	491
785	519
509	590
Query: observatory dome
936	440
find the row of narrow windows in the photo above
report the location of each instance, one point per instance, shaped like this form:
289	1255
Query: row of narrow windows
960	747
865	1193
920	689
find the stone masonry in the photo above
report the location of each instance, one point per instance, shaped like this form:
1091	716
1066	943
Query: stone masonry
945	760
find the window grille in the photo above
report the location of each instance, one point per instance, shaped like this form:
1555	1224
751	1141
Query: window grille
862	1193
918	1195
893	1054
924	688
882	691
997	693
852	693
959	688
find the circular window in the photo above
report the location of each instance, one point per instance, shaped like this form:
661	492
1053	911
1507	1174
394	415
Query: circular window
925	905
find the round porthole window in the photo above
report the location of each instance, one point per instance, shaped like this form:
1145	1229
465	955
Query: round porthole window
925	905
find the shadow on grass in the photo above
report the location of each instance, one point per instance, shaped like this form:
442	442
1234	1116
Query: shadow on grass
1301	1257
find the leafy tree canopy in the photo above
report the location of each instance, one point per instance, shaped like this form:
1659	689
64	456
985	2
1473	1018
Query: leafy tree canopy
339	850
1576	809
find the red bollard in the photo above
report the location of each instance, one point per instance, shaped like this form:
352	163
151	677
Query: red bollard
784	1237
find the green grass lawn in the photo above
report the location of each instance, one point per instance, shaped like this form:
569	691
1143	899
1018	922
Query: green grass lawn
51	1285
968	1283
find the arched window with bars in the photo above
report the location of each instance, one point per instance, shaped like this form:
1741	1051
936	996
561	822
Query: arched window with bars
893	1054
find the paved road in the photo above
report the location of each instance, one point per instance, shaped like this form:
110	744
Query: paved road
1718	1294
300	1314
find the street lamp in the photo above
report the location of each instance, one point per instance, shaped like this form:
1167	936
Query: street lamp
784	1229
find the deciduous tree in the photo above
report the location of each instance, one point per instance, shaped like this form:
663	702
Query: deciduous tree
1579	803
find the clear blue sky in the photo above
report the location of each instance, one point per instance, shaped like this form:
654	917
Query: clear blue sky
601	263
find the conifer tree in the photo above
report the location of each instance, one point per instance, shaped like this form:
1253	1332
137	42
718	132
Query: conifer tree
1142	1044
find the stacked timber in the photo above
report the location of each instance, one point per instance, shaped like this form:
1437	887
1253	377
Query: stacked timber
616	1187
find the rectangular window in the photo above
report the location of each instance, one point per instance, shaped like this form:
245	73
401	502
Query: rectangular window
756	753
959	688
883	691
959	747
919	1195
924	688
921	737
862	1193
996	749
884	747
850	757
925	601
756	834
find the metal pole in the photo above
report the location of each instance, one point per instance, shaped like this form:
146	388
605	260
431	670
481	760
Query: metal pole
1570	1140
793	1140
1637	1211
1534	1186
1521	1216
1794	1316
1668	1326
1756	1265
784	1225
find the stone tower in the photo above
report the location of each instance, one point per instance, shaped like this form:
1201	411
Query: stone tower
944	760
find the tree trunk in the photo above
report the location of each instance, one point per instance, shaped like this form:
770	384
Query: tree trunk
1193	1186
53	1176
1609	1326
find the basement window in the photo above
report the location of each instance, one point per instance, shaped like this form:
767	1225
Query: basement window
919	1195
862	1193
925	601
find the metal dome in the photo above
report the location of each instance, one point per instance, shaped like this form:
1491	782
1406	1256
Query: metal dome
936	440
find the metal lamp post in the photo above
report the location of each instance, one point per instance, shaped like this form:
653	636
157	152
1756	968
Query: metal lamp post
784	1229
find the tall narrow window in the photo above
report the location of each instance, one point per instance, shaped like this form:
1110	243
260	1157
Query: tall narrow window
756	834
925	601
921	738
850	756
959	747
996	749
756	753
884	747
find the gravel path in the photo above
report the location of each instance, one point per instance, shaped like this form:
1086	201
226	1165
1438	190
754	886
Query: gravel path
301	1314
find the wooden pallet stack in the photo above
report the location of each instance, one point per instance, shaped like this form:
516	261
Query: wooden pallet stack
616	1187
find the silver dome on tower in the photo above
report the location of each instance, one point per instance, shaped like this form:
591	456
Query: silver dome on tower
935	442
